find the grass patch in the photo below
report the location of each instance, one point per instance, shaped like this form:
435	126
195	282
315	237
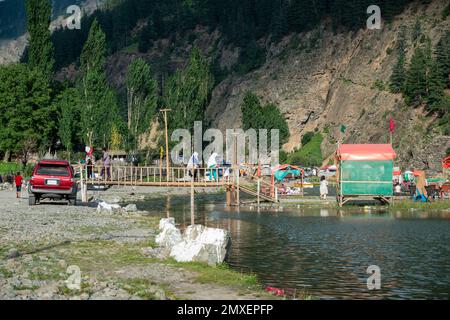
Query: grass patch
409	204
221	274
92	256
5	273
144	288
310	154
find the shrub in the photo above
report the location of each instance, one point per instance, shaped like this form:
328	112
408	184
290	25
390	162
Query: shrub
307	138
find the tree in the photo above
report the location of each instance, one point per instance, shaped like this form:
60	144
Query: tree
442	53
255	116
27	117
40	48
436	86
416	78
187	93
142	97
99	109
397	80
69	117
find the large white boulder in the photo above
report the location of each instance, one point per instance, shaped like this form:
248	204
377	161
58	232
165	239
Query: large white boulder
104	207
202	244
169	235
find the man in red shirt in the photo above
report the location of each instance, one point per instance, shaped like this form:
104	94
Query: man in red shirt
18	181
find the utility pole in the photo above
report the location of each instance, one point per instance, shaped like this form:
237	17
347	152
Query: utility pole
236	167
167	144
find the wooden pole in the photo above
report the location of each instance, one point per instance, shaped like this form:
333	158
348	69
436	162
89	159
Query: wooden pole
167	143
236	166
192	197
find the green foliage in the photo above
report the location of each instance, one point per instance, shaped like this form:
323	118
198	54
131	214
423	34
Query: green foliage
93	56
240	22
255	116
442	53
68	105
27	117
252	57
379	85
307	137
99	102
40	48
188	91
142	96
397	80
9	168
310	154
283	156
446	12
416	77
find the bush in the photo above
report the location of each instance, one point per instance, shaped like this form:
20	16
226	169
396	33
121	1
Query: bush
307	138
14	167
310	154
283	157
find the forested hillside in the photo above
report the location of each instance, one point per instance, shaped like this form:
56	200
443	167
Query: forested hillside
241	22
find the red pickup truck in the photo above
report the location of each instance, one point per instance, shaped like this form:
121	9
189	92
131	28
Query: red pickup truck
52	179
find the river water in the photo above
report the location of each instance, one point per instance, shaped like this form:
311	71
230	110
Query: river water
326	252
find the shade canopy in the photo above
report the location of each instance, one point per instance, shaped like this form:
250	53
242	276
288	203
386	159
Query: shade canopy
365	152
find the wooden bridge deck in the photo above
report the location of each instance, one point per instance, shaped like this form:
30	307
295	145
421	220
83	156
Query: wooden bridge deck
177	178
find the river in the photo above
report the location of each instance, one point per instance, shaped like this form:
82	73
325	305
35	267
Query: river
326	252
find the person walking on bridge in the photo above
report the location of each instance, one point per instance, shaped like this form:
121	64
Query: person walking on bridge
192	165
106	164
212	164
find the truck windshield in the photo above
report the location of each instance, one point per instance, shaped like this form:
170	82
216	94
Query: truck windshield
53	170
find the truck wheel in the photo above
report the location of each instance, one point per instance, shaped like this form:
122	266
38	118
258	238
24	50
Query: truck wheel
31	200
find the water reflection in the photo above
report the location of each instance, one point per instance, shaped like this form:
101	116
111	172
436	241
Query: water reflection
327	251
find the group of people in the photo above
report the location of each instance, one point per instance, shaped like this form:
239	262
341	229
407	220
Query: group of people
16	179
212	164
90	163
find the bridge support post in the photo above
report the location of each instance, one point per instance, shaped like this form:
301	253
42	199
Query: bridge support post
258	190
193	198
83	186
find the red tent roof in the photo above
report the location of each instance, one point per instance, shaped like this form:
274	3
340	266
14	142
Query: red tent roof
365	152
446	163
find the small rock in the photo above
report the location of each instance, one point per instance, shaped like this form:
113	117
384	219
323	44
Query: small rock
12	253
62	264
131	208
104	207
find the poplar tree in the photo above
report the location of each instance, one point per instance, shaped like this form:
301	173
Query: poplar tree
187	92
142	97
40	48
99	104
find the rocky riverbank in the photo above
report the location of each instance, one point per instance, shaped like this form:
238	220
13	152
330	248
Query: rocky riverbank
53	251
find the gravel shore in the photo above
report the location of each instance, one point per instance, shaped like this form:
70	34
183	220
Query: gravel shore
48	249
